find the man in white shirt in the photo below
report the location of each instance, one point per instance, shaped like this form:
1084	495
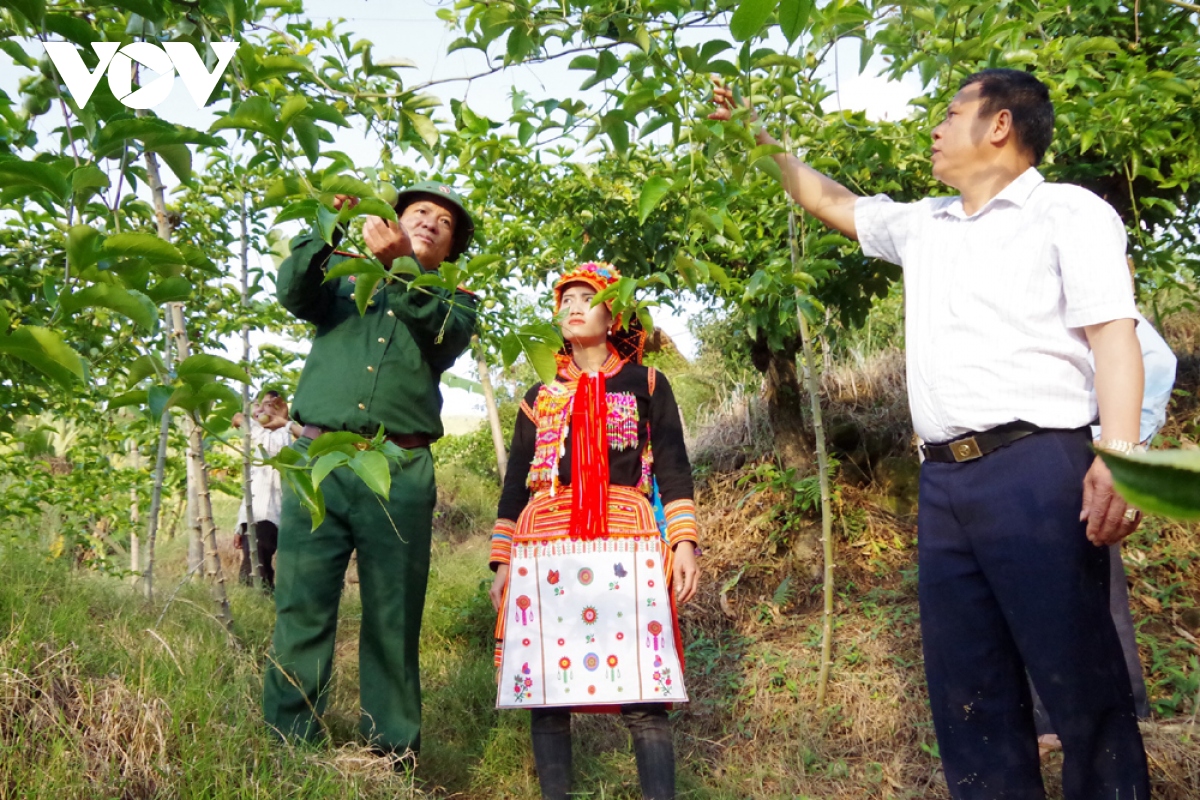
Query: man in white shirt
1009	287
270	431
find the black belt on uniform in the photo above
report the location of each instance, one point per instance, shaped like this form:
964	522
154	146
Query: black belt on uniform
977	445
406	441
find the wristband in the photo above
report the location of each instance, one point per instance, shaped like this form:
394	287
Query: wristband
1120	446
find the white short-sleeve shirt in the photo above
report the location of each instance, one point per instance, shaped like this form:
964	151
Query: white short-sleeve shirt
265	489
996	302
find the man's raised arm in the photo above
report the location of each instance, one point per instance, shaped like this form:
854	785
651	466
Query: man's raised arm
816	193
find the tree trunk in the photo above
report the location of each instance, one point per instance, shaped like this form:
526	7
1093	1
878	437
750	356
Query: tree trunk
247	496
785	403
202	516
160	466
493	413
814	396
135	555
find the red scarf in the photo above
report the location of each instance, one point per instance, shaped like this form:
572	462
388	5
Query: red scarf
589	459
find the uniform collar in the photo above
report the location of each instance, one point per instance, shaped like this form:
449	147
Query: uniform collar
1015	194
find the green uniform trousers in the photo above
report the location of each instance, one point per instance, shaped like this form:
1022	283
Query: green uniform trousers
393	569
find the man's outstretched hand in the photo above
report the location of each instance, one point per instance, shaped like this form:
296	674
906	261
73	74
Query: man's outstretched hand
725	104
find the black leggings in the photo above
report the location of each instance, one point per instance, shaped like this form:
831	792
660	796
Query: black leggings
648	725
268	542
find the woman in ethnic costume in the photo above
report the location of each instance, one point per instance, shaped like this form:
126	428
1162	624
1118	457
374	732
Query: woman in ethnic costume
586	582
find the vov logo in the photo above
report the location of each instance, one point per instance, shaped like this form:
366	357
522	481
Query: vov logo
172	57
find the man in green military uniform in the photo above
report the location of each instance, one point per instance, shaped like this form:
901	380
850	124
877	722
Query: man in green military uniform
381	368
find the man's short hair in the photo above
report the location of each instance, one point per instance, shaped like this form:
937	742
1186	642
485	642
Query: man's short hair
269	394
1026	98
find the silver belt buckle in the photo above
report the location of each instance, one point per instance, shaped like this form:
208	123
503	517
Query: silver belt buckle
966	450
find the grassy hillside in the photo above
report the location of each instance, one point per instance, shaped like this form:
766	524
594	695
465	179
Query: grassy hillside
105	695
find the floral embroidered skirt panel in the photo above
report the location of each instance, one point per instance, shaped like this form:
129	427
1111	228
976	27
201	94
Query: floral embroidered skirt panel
588	622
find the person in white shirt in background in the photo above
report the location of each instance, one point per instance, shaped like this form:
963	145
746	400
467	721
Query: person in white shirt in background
270	431
1160	365
1010	286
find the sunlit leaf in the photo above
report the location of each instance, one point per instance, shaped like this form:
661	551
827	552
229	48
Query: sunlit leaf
372	467
201	365
45	350
793	17
143	245
749	18
339	441
129	302
653	191
1163	482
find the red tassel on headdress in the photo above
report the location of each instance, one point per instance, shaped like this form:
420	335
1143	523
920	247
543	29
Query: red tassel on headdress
589	459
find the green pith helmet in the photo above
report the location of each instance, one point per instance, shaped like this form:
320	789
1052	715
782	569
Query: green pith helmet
464	226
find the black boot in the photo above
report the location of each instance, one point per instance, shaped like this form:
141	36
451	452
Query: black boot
654	749
551	733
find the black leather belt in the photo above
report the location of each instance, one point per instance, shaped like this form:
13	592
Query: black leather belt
978	445
406	441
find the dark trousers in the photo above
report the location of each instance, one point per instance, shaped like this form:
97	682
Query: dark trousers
267	534
1118	606
649	727
393	570
1009	583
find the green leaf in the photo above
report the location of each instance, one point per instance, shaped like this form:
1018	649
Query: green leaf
144	367
614	125
15	172
424	127
301	209
406	265
293	106
32	10
340	441
88	176
179	159
83	247
363	291
45	350
170	290
206	365
326	464
308	136
653	191
355	266
541	356
256	114
131	303
149	9
136	398
372	467
157	398
345	184
310	496
455	382
143	245
1163	482
749	18
643	315
326	222
483	261
152	132
372	206
282	189
793	17
190	397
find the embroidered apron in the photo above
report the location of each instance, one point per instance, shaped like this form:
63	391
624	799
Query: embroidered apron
588	623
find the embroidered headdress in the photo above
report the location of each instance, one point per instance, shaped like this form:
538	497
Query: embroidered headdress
629	341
